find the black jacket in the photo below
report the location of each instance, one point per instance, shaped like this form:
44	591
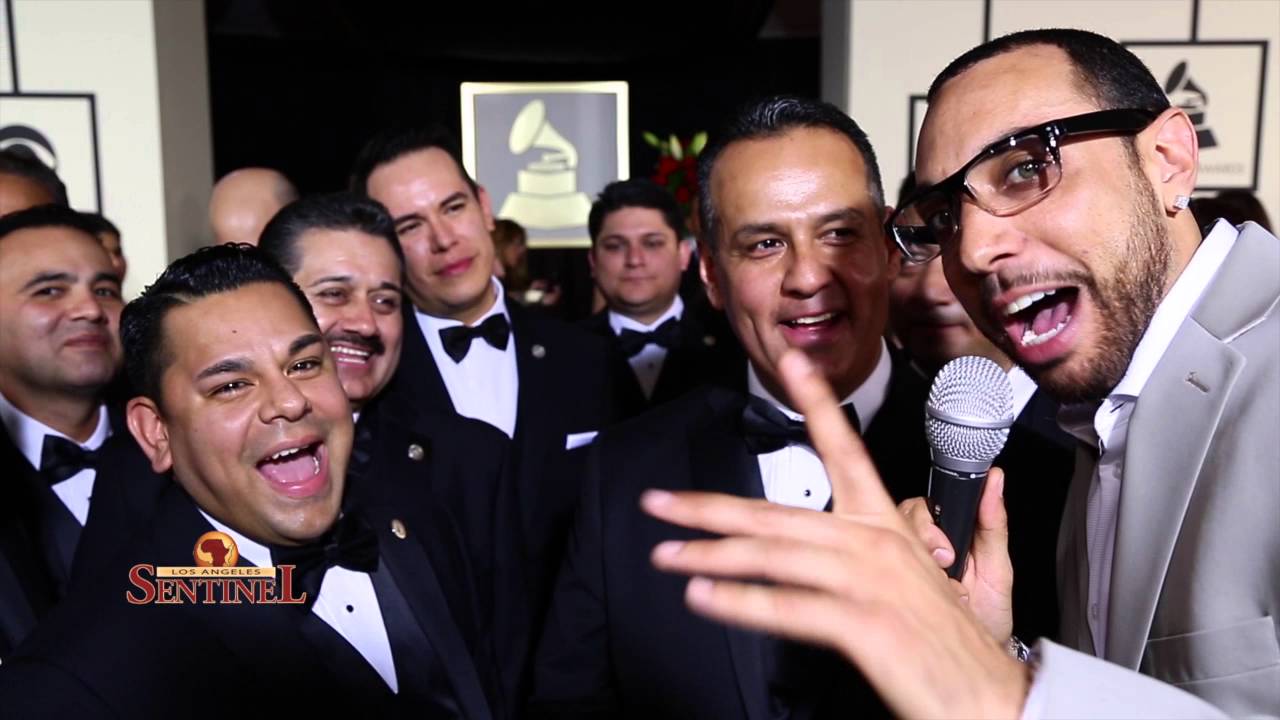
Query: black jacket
619	640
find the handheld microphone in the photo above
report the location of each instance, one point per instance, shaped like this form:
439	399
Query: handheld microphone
967	420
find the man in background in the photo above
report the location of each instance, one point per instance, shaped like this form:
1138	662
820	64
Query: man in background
637	257
26	182
244	201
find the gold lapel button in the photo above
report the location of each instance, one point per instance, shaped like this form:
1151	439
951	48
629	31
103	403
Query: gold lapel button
416	453
398	529
538	351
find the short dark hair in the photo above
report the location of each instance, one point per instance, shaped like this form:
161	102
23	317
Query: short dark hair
334	211
772	117
390	145
1105	71
102	224
48	216
638	193
208	271
17	160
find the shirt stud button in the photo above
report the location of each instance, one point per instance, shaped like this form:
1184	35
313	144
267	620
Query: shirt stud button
398	529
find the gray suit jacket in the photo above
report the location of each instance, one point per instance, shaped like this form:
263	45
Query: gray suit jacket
1195	585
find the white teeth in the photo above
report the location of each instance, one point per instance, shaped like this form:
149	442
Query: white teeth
814	319
316	462
285	453
1025	301
1030	339
344	350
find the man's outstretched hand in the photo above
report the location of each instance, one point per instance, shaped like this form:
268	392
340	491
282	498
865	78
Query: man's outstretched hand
859	579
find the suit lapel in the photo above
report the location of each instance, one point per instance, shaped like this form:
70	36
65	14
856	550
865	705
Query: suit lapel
720	462
416	577
418	381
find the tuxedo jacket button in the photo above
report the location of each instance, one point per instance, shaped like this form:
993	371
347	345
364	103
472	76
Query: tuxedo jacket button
416	453
538	351
398	529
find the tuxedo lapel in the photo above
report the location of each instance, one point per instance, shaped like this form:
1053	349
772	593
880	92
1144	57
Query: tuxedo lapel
720	462
417	381
420	584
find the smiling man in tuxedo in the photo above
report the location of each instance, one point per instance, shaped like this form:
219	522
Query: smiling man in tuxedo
795	253
544	384
59	352
240	402
638	254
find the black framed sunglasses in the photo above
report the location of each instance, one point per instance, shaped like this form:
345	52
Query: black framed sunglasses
1005	178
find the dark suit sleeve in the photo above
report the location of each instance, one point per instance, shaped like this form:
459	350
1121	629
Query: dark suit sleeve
572	671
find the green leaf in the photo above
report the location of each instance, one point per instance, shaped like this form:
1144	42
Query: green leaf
651	139
676	151
698	143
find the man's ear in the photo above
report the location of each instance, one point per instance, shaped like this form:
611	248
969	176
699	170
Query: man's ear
148	427
894	265
486	207
685	248
707	270
1171	153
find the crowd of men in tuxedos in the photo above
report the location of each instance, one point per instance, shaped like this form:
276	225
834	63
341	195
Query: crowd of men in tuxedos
496	514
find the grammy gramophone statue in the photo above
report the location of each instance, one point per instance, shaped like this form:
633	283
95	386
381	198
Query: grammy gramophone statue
546	195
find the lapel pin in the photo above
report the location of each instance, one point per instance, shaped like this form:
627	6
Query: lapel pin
538	351
709	340
1194	381
416	453
398	529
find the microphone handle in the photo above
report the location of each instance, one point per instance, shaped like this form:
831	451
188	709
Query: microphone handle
953	503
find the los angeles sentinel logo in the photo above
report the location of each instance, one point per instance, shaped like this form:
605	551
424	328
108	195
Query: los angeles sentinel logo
215	579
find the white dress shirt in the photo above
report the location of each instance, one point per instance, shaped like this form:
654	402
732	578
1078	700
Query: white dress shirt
27	434
347	602
486	384
647	364
794	475
1107	428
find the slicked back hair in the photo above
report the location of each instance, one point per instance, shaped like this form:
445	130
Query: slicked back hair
21	163
208	271
770	118
391	145
334	211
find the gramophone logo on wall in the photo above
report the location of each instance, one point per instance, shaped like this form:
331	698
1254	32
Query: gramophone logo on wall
58	129
1221	86
543	150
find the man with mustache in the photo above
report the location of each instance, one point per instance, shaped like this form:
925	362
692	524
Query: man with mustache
59	352
638	254
341	249
241	404
796	255
1055	179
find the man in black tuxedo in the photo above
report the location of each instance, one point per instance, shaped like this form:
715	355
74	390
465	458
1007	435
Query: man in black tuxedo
240	401
59	352
795	254
637	256
544	384
342	251
1038	457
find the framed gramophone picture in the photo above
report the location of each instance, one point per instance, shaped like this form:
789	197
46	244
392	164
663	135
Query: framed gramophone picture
543	150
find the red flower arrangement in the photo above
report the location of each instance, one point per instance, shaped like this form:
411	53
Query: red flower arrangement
677	168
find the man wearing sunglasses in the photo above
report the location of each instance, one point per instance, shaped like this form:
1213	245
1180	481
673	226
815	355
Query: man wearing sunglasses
1054	180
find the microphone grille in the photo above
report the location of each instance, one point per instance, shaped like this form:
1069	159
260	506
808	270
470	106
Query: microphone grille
971	394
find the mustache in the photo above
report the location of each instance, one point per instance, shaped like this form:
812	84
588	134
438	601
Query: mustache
371	343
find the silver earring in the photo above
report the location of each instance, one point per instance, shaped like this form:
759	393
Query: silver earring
1180	202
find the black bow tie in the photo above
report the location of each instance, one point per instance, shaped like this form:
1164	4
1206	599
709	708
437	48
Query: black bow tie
457	340
351	543
60	459
666	335
766	429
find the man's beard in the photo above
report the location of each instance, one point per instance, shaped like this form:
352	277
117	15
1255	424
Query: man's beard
1125	300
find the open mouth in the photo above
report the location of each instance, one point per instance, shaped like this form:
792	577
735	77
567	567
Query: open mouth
812	322
350	355
296	470
1037	317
